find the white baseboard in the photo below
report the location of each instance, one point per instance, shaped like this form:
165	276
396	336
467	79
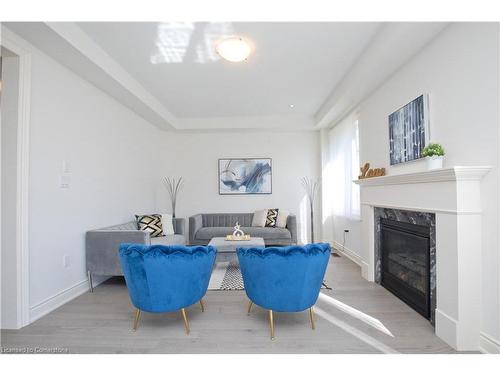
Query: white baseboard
352	256
446	328
364	271
348	253
57	300
488	344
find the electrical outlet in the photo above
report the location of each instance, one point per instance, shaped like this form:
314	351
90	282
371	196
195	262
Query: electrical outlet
66	261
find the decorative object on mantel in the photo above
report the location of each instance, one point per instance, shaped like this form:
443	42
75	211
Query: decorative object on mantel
311	188
366	172
173	187
409	131
238	234
434	153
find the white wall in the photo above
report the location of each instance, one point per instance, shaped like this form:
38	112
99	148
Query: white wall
460	72
112	158
194	156
9	106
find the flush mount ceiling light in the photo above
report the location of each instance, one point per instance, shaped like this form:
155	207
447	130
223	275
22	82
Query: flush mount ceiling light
234	49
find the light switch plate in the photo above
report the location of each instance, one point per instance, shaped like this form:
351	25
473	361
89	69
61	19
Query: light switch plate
66	167
64	181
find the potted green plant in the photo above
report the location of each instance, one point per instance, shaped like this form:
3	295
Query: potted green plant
434	153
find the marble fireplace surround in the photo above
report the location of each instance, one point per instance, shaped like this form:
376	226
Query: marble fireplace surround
453	195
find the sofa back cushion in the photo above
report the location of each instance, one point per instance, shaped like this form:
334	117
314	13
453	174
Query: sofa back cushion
227	220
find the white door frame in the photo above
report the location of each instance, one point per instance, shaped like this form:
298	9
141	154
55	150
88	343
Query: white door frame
22	245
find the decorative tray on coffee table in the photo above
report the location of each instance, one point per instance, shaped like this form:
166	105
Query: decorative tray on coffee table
245	237
238	234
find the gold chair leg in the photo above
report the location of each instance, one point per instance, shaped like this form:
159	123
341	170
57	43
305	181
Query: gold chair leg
202	304
136	320
250	303
271	323
186	323
311	317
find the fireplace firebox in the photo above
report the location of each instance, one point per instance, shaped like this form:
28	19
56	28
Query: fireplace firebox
405	263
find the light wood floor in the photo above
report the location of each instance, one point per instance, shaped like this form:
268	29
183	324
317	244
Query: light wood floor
355	317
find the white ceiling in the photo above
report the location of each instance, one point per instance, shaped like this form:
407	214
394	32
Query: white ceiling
169	73
293	63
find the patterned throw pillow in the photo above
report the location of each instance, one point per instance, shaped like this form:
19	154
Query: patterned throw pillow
151	224
272	218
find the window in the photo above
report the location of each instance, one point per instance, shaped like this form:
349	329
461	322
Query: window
344	168
355	203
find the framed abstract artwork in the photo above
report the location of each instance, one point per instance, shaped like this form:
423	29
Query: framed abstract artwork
409	131
245	176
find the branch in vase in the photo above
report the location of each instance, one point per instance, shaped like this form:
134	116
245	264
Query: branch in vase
173	186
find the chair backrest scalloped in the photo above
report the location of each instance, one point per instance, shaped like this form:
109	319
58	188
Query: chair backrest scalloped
166	278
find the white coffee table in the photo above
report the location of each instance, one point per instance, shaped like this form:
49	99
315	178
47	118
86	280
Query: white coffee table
226	250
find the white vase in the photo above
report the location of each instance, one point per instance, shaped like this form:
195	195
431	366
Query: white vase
434	162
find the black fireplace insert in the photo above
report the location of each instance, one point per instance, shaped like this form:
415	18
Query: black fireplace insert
405	255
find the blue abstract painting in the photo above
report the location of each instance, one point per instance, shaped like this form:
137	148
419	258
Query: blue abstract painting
245	176
408	131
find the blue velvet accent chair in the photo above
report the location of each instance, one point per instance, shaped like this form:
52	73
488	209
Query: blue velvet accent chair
166	278
284	279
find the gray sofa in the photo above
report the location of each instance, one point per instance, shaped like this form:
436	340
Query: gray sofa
101	246
203	227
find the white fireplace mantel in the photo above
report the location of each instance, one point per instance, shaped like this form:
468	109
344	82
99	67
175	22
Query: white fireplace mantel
437	175
454	195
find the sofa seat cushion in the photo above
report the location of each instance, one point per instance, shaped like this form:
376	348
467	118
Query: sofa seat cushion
174	239
207	233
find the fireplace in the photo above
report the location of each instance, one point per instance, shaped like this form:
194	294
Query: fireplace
405	263
449	202
405	257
